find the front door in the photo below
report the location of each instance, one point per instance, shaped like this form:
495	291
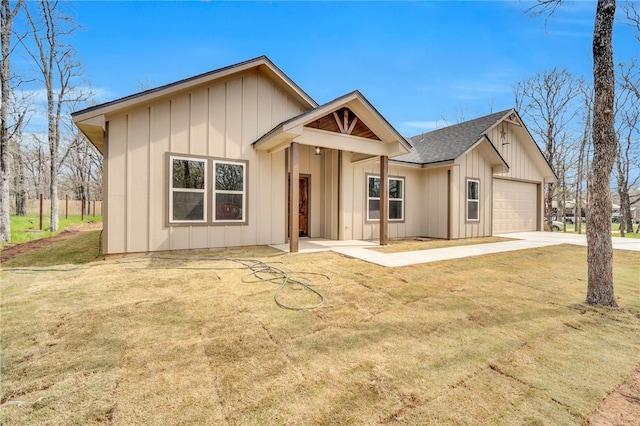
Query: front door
303	207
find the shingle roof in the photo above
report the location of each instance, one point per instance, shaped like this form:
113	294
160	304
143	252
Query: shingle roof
449	142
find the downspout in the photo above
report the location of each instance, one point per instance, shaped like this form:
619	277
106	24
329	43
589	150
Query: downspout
339	194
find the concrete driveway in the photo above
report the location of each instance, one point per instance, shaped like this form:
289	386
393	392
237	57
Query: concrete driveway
521	241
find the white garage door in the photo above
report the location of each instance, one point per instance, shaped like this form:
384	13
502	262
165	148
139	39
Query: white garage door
515	206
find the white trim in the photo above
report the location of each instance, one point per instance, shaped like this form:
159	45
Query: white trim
402	199
202	191
472	200
215	192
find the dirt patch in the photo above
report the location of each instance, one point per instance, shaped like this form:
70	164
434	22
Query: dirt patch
15	250
622	406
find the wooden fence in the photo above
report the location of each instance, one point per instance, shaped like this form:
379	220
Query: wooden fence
65	207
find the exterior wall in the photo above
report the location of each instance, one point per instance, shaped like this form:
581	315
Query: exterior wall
311	164
221	120
353	217
329	195
472	165
514	152
434	209
517	150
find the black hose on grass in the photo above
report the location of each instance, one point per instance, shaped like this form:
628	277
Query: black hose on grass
261	272
266	273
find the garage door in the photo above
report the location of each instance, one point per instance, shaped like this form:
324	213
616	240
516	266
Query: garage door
515	206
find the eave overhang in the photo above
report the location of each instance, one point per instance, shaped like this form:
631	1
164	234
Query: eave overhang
94	128
434	165
387	140
489	151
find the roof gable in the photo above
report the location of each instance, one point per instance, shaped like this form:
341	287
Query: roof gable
375	135
91	120
343	121
262	62
449	143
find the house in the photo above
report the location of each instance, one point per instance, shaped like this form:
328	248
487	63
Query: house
243	156
634	202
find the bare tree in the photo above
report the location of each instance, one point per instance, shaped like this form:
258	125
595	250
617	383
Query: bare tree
583	156
632	15
548	101
6	22
36	165
84	170
627	163
58	67
599	244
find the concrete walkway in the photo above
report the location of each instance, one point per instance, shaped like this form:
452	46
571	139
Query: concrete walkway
521	241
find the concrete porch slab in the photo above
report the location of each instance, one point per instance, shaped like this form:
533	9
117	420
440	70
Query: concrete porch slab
520	241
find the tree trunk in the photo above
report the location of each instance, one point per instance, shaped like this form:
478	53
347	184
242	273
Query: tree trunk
622	191
581	162
6	21
548	207
625	205
599	245
19	186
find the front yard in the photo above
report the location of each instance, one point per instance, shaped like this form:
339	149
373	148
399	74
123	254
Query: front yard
189	338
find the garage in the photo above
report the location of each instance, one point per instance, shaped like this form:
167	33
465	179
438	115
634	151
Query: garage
515	206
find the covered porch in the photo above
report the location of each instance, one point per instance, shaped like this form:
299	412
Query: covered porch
347	124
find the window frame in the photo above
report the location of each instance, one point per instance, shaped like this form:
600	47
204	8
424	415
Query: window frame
210	192
215	192
472	200
401	200
172	190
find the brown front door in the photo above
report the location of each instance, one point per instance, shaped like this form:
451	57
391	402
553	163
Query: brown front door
303	207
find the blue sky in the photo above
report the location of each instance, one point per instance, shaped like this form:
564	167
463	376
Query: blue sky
418	63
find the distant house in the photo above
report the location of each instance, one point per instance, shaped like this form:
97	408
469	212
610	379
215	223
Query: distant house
634	201
243	156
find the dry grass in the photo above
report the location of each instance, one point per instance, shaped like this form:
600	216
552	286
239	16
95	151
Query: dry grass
497	339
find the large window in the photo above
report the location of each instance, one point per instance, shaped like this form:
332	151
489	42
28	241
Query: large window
473	200
396	198
230	181
195	198
188	193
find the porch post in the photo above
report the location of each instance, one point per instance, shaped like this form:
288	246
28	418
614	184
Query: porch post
294	196
384	199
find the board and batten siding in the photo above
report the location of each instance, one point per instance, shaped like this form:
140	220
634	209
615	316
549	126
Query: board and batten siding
434	208
353	220
517	155
472	165
221	119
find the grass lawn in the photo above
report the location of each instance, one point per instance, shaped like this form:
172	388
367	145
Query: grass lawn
615	230
27	228
181	339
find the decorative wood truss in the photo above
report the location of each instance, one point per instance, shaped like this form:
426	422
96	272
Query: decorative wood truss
513	119
343	121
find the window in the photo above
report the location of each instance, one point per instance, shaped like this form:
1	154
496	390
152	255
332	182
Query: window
206	190
473	200
229	190
396	198
188	194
